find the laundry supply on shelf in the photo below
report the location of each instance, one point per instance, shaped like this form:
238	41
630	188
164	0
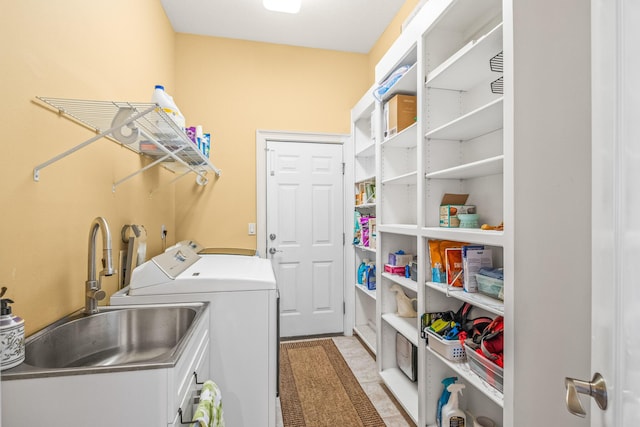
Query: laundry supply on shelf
444	398
165	101
452	415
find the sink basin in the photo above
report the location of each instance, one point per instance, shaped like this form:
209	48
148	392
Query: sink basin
116	338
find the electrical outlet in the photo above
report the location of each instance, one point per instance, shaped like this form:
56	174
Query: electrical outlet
163	232
252	228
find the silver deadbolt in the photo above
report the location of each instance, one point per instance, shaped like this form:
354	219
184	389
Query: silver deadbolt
272	236
597	389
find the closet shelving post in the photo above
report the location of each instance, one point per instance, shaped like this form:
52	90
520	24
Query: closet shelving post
363	122
455	146
463	154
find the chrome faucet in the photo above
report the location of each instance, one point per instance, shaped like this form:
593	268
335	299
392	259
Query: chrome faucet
94	293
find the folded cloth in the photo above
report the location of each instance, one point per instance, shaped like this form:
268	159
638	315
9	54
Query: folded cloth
209	410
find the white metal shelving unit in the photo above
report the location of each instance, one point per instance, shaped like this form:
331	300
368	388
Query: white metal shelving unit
455	146
364	147
141	127
398	170
481	127
463	153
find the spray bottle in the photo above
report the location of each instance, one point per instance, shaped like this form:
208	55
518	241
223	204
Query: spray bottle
444	398
452	415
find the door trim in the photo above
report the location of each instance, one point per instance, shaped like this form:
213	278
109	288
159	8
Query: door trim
262	138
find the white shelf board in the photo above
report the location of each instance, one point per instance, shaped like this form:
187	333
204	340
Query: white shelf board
454	72
404	179
470	235
404	390
365	248
470	377
366	179
402	281
484	167
365	206
405	325
492	305
478	122
363	288
406	138
407	84
368	336
368	151
406	229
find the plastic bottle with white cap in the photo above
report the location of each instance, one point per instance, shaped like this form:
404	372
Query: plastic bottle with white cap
165	101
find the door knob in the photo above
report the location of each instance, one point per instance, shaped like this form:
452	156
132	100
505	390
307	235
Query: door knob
597	389
272	251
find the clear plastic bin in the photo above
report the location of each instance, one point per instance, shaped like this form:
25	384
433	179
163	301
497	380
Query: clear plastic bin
490	286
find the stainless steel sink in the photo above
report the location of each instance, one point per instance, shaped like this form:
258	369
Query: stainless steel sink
116	338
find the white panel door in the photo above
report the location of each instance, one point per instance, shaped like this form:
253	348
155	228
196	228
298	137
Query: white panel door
305	235
615	351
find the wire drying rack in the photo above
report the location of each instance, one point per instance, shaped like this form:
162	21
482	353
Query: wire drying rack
142	127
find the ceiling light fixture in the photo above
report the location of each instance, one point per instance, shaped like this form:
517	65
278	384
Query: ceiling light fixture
286	6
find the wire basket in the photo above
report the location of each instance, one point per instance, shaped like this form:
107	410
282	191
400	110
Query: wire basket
496	63
497	86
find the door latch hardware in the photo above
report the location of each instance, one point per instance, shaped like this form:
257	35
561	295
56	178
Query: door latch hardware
597	389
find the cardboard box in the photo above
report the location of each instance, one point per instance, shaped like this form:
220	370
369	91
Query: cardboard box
373	233
400	113
394	269
473	259
452	205
400	260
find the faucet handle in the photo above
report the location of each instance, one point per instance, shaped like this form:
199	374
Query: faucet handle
99	295
96	294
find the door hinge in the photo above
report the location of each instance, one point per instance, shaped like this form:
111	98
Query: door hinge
344	239
344	307
343	167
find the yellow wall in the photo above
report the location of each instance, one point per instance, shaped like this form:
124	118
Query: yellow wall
234	88
74	49
118	51
389	36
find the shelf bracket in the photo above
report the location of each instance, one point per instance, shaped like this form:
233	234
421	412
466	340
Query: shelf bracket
38	168
149	166
182	175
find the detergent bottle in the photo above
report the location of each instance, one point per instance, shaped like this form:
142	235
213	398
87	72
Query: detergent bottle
362	271
452	415
444	398
166	102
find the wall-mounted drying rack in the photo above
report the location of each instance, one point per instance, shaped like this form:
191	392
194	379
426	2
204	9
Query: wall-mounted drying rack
142	127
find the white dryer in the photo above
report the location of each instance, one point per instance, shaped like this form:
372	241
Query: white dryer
242	294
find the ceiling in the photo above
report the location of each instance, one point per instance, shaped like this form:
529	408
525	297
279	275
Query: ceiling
343	25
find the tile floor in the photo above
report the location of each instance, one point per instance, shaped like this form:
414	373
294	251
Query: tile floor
365	370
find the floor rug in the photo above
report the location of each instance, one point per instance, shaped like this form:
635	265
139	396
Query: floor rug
317	388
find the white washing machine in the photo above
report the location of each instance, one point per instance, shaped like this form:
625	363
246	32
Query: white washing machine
243	332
